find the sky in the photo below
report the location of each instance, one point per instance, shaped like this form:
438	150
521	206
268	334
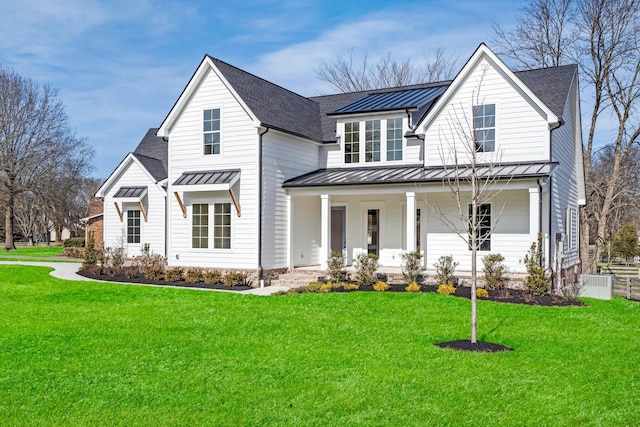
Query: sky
120	65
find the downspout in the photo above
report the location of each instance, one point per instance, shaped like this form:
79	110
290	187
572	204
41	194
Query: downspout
260	191
552	239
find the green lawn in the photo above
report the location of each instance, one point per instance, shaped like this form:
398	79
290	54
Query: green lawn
26	252
84	353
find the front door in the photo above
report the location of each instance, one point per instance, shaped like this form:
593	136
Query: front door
373	231
338	235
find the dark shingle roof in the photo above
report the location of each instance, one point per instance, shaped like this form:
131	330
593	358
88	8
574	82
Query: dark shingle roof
412	174
275	106
551	85
152	152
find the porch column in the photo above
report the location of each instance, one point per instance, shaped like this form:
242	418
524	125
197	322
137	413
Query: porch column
325	229
289	232
411	221
534	214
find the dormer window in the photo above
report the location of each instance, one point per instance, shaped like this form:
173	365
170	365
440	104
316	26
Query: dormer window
394	139
372	141
211	131
484	127
352	142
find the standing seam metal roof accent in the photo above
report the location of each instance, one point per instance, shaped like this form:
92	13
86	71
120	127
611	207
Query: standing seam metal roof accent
126	192
400	99
207	177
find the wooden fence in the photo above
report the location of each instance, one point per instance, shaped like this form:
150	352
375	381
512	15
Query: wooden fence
626	280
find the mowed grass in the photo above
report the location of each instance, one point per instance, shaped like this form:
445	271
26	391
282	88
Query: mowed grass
86	353
31	251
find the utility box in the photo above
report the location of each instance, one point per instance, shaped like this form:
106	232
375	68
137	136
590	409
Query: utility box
598	286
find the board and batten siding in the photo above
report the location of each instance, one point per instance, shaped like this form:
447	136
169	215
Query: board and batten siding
239	143
564	181
522	133
283	157
152	231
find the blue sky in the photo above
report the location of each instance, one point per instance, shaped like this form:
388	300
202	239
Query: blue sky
119	65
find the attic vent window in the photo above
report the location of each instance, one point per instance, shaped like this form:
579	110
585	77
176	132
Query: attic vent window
211	131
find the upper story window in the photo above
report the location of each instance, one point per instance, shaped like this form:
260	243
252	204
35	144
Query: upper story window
394	139
352	142
211	131
133	226
484	127
372	141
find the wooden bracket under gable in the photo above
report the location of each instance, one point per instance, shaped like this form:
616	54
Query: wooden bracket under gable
235	202
144	213
184	210
119	211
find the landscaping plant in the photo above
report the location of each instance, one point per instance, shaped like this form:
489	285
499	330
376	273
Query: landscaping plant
495	272
411	266
445	269
537	281
337	268
366	266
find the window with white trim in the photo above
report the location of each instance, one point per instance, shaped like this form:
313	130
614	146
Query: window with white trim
200	226
211	131
484	127
372	141
133	226
222	225
352	142
394	139
483	230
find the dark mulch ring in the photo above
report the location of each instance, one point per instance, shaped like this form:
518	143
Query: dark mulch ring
480	346
141	280
513	296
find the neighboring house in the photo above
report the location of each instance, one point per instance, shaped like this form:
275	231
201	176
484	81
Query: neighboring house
260	178
135	199
94	222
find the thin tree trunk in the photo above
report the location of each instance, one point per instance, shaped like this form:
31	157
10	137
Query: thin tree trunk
8	223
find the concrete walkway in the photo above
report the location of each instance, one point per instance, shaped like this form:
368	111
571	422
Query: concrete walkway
69	270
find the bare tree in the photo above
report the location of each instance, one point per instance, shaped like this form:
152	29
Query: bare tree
470	176
347	75
602	37
34	136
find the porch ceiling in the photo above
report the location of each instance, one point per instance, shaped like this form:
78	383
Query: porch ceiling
414	174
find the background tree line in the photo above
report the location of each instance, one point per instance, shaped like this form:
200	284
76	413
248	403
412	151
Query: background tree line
602	37
44	167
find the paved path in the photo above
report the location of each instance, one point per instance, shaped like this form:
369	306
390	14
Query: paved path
68	271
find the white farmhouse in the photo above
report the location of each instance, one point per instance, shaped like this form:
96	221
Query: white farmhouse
258	178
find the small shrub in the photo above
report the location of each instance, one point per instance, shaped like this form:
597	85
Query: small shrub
445	269
326	287
482	293
411	266
212	277
130	272
380	287
154	273
537	281
193	275
113	271
446	289
350	286
90	256
74	242
366	266
114	257
174	274
73	252
235	278
494	272
314	287
336	268
92	269
412	287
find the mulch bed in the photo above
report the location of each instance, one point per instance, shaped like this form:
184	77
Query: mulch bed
141	280
480	346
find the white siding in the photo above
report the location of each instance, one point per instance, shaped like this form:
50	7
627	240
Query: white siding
152	231
521	131
238	151
564	182
510	237
284	157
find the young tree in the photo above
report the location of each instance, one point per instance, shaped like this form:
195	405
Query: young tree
470	175
346	75
34	136
625	242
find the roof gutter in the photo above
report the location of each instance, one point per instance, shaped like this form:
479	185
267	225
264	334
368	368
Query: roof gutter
260	192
